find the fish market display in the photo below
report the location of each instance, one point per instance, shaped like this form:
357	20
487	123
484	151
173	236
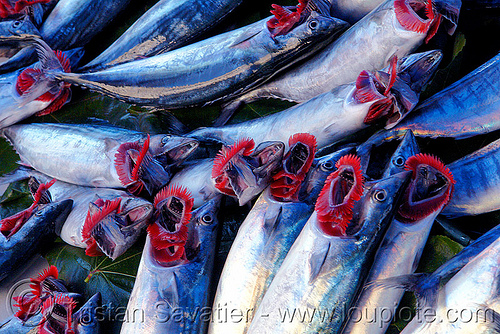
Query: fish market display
429	191
91	158
166	26
172	285
328	261
214	68
395	28
329	117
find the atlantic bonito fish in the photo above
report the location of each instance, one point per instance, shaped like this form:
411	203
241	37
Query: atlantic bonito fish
214	68
172	287
22	234
467	108
268	231
98	156
70	24
329	117
395	28
330	258
166	26
238	170
429	191
468	302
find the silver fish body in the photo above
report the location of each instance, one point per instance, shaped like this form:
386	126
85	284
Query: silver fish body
330	116
262	242
321	274
211	69
174	299
168	25
367	45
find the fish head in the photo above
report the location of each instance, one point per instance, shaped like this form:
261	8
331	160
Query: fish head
138	170
379	203
18	30
112	226
392	93
418	16
309	20
85	320
430	188
320	169
336	200
296	164
243	172
407	147
169	232
57	311
170	150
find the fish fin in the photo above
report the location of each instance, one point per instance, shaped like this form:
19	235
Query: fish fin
423	286
488	317
169	291
271	222
317	262
38	83
450	10
227	111
244	38
18	174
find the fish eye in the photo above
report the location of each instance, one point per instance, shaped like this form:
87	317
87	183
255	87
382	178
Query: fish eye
16	24
165	139
327	166
399	161
313	24
207	219
380	195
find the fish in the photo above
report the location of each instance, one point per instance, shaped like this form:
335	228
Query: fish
59	316
13	85
268	232
21	30
395	28
399	254
477	183
166	26
70	24
98	156
13	7
110	234
472	291
23	234
327	263
173	280
212	69
238	171
467	108
329	117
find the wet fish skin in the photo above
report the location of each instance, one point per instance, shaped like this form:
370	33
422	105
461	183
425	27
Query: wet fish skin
164	293
85	319
38	230
211	69
467	108
478	183
323	273
367	45
330	116
166	26
262	242
87	151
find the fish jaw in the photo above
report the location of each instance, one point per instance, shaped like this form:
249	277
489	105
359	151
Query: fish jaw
172	150
112	232
238	171
407	148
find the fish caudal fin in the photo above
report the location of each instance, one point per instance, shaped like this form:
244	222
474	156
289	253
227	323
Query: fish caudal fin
40	82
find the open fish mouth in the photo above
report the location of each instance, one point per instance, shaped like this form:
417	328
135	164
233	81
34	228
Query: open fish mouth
430	189
112	226
172	150
242	172
138	170
169	233
336	200
417	16
296	164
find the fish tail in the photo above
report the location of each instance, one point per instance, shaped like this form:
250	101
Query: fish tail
422	285
45	81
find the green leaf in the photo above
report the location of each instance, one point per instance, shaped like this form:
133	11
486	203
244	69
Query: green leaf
15	199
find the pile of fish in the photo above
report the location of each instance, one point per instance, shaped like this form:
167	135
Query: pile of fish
338	197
